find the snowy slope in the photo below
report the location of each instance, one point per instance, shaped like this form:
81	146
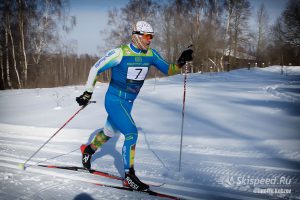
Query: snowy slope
241	138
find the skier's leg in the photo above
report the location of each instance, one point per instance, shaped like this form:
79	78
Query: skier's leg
119	117
128	150
104	135
101	138
119	111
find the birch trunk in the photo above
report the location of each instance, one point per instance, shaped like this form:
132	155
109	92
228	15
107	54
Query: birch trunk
7	55
2	68
13	54
21	27
226	36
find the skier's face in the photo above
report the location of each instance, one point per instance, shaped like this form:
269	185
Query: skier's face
142	40
146	39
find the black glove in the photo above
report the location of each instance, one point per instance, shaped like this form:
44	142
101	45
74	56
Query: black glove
84	99
186	56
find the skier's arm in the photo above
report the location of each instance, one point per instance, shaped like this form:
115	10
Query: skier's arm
111	59
163	66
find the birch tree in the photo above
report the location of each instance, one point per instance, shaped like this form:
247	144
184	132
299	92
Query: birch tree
285	35
291	19
45	26
262	22
2	68
6	27
227	35
21	14
13	54
122	20
238	28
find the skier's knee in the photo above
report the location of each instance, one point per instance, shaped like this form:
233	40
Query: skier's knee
109	130
100	139
132	137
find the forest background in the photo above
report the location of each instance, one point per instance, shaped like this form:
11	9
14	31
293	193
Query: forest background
33	54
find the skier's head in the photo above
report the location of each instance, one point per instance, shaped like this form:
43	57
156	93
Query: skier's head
142	35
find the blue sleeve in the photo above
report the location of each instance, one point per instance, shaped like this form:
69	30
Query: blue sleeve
160	63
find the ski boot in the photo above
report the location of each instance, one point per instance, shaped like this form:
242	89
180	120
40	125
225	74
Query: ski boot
132	181
87	153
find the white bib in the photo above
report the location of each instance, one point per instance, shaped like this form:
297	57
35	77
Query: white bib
137	73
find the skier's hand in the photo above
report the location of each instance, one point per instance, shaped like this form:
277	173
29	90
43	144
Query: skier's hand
186	56
84	99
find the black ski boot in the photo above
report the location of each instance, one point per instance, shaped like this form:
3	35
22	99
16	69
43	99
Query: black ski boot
87	153
132	181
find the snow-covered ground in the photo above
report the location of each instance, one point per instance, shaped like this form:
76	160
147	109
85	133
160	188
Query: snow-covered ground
241	138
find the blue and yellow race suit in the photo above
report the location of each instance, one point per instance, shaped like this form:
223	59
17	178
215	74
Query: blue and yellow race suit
129	67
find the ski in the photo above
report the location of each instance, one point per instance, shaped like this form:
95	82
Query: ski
149	192
92	171
82	169
112	176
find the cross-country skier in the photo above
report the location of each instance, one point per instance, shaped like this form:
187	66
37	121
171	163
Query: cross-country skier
129	65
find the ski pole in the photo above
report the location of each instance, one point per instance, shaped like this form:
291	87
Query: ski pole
182	114
183	109
22	165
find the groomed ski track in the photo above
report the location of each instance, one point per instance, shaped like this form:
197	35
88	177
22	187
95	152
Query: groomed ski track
238	124
21	141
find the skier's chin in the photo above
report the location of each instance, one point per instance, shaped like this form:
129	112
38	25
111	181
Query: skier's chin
147	45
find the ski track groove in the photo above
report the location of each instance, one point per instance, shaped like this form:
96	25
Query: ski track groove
55	148
215	172
179	188
76	177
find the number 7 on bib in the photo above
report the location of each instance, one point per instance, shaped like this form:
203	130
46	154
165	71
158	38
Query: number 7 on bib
137	73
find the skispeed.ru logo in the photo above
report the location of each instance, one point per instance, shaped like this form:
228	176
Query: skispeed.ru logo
274	185
247	180
263	181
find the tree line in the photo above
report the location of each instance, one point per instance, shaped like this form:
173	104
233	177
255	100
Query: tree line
32	53
220	31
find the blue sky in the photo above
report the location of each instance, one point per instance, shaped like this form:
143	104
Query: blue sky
274	7
92	17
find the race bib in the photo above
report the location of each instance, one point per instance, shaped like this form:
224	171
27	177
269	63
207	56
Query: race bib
137	73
